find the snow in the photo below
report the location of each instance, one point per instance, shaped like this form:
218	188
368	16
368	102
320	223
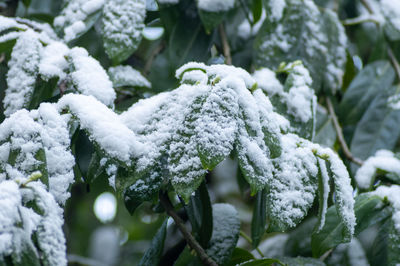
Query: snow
53	62
276	7
392	194
326	189
90	78
382	160
215	5
21	77
72	18
245	30
122	76
168	1
267	81
104	126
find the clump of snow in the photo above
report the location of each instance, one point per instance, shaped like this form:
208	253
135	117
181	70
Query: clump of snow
89	78
21	77
245	30
122	76
276	8
215	5
53	62
382	160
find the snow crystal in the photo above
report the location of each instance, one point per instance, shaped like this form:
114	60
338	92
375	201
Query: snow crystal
215	5
21	77
90	78
122	76
382	160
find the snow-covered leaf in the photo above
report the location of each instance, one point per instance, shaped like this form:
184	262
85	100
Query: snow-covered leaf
391	12
21	77
122	25
212	13
77	17
127	76
297	30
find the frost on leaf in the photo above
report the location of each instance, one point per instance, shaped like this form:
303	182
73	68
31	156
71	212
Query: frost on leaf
77	17
301	32
383	161
122	25
21	77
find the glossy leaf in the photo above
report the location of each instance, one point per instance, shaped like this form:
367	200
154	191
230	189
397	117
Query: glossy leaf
259	219
153	255
239	256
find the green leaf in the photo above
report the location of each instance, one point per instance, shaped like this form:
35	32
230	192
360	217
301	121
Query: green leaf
239	256
301	32
262	262
369	210
199	211
226	227
369	82
393	244
43	91
259	219
325	133
188	258
378	129
299	261
122	25
26	3
153	255
349	73
256	9
299	241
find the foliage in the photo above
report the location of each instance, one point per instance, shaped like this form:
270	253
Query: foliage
166	102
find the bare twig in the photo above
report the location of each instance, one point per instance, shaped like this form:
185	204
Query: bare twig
166	203
359	20
153	55
339	132
225	44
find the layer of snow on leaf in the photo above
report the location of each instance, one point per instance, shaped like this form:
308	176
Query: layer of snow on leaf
71	20
326	189
10	200
53	62
215	5
127	76
90	78
56	142
392	193
245	30
104	127
21	77
383	160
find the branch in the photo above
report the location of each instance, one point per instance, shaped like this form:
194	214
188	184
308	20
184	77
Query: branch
359	20
225	44
339	132
166	203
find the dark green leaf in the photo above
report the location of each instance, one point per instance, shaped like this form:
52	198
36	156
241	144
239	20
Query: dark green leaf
256	9
299	261
262	262
153	254
325	133
199	211
26	3
379	128
393	244
259	219
369	210
239	255
43	91
369	82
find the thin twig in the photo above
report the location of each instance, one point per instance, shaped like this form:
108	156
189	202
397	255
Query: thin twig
248	239
153	55
325	255
359	20
225	44
166	203
394	61
339	132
